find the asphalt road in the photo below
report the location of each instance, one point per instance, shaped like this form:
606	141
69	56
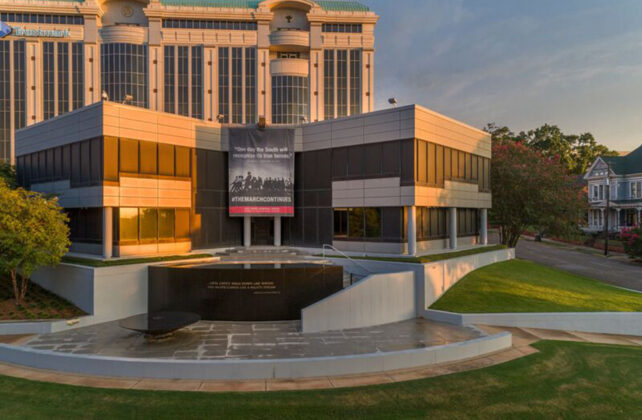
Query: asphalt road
615	270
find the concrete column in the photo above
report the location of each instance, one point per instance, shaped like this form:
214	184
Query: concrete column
412	230
108	231
453	228
483	232
247	231
277	231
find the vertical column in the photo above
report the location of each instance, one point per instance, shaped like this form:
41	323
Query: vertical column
412	229
483	234
639	222
12	106
453	227
277	231
617	222
209	107
247	231
108	239
316	85
601	218
34	82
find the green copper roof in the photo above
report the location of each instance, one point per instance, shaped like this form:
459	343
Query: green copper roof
626	165
330	5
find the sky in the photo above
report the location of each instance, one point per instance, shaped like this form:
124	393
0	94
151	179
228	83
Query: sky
519	63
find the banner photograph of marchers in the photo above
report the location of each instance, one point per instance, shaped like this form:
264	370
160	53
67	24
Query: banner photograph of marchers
261	172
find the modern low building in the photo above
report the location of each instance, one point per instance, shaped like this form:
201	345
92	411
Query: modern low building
231	61
134	181
622	175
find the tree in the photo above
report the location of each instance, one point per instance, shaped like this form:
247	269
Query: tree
632	241
575	152
33	234
530	189
8	173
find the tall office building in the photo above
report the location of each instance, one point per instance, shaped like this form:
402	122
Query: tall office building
231	61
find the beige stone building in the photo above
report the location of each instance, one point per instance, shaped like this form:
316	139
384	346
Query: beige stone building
125	108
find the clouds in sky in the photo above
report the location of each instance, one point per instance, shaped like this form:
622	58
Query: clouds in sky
574	63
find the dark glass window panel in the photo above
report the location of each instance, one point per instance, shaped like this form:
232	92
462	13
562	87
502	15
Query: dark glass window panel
342	83
129	156
355	161
75	164
355	82
169	93
290	99
373	158
390	159
462	165
128	224
66	162
124	71
50	165
166	159
183	80
183	161
197	82
422	164
431	165
329	83
237	85
63	78
182	230
474	168
454	164
434	223
439	165
355	223
250	86
49	100
19	87
111	159
148	224
469	167
340	223
96	157
148	158
373	222
78	77
447	163
224	84
85	162
166	224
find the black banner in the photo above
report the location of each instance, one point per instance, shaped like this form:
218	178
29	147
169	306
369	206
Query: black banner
261	172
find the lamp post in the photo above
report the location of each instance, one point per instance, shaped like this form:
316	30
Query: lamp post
608	205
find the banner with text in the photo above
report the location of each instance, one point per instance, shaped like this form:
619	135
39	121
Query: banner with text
261	172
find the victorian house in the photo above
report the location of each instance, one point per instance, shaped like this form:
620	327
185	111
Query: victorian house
624	176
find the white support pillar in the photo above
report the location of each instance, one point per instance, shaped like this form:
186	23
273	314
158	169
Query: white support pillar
617	221
108	238
247	231
412	229
453	228
277	231
601	219
639	222
483	232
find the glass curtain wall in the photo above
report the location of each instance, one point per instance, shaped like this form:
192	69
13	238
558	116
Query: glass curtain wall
237	85
124	71
342	83
5	101
290	99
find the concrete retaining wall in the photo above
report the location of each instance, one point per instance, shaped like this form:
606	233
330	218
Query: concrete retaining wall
251	369
625	323
378	299
395	292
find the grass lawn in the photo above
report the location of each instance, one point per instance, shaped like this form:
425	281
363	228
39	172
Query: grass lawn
524	286
430	258
129	261
40	304
565	380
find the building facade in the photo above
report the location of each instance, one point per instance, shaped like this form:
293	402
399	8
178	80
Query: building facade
622	177
227	61
404	180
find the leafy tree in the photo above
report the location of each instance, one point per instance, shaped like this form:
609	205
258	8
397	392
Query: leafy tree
8	173
33	234
575	152
530	189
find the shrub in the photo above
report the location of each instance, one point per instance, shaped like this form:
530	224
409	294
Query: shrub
632	241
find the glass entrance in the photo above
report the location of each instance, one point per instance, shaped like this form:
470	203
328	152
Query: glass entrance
262	231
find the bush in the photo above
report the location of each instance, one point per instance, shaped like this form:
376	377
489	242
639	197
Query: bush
632	241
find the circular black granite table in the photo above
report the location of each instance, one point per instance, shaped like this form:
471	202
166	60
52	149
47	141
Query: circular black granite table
157	324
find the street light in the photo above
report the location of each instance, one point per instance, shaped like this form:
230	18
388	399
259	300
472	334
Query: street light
608	205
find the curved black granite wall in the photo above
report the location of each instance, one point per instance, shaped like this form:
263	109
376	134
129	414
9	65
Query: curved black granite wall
234	292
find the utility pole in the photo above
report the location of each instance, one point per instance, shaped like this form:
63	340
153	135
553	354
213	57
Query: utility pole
608	206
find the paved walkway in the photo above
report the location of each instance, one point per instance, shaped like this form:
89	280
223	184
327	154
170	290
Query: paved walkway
522	340
209	340
589	263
